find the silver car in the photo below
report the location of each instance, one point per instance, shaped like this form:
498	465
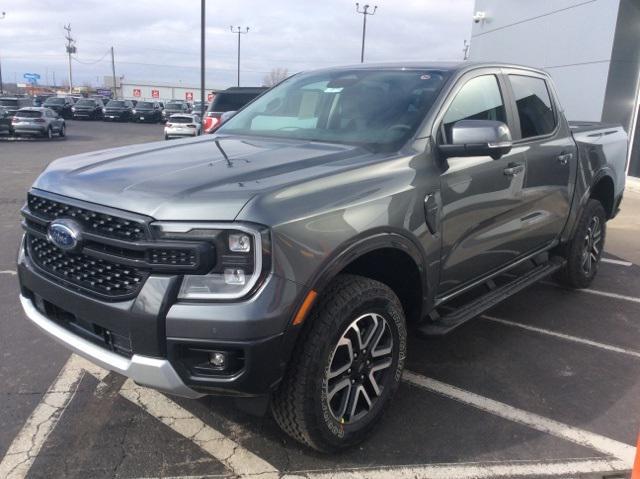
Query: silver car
38	121
182	124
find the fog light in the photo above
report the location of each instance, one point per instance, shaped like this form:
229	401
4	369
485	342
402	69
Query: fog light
239	243
234	276
217	359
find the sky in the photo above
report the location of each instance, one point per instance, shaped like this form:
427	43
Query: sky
159	40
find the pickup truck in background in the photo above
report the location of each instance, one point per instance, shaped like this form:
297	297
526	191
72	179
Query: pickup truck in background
285	258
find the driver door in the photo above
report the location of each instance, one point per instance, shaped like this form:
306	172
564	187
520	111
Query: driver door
480	196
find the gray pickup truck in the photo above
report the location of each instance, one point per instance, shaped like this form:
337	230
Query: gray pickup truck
285	258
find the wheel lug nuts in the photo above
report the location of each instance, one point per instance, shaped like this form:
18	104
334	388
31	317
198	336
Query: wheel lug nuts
353	381
349	370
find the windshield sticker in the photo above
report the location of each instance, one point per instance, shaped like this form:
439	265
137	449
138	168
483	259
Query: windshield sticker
333	90
425	77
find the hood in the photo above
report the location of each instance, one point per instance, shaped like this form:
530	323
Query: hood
200	179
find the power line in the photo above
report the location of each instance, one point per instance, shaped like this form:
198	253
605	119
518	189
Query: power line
76	59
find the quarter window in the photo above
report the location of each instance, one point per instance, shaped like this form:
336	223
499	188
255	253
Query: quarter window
479	99
534	105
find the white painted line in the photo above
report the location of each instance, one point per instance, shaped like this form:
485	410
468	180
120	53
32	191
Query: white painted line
472	470
596	292
575	339
236	458
605	445
619	262
27	444
8	271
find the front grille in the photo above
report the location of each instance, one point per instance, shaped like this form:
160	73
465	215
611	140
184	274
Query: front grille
99	223
88	273
116	252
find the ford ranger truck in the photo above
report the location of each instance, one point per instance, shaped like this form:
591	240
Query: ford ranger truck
286	257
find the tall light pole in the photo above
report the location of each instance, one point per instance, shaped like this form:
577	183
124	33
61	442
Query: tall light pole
365	13
239	31
1	85
71	48
202	62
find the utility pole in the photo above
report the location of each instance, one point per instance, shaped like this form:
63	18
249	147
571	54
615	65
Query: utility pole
71	48
365	12
1	85
239	31
202	60
113	75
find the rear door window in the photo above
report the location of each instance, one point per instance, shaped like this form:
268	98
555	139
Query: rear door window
478	99
533	102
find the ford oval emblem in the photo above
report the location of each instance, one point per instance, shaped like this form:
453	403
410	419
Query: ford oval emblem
65	234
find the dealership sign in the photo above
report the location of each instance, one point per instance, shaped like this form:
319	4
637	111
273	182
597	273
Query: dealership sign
155	93
189	96
31	77
137	92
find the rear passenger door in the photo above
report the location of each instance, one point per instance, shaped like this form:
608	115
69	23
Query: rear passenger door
542	135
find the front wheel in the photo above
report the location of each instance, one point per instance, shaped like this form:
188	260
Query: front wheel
63	131
346	366
584	251
48	134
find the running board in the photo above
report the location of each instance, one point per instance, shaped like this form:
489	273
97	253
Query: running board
459	316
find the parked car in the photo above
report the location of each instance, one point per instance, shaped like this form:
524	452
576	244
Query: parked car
61	105
181	125
197	108
229	100
284	255
118	110
13	104
5	121
38	121
147	112
135	102
174	106
88	109
39	100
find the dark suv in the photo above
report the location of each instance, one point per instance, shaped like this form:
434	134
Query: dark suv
118	110
228	101
61	105
288	256
147	112
88	109
173	107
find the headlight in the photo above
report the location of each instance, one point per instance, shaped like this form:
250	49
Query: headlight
104	110
242	258
133	111
73	108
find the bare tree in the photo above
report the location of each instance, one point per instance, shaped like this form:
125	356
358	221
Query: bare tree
275	76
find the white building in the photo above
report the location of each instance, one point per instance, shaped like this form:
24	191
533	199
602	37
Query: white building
590	48
150	90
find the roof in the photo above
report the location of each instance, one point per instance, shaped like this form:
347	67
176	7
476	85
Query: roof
452	66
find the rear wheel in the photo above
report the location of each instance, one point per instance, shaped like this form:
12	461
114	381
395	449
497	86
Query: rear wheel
48	134
346	366
584	251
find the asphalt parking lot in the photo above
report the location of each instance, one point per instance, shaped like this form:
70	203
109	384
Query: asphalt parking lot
547	384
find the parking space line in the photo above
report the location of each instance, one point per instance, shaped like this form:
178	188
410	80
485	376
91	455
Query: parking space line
619	262
605	445
8	271
596	292
27	444
236	458
473	470
575	339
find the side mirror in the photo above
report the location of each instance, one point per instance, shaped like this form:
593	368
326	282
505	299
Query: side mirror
478	138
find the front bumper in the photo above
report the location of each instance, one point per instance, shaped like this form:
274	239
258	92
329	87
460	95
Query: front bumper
164	338
144	370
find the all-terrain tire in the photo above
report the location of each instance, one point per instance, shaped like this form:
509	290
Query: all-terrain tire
580	269
302	405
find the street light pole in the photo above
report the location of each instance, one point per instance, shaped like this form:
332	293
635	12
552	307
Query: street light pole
202	59
365	12
239	31
1	85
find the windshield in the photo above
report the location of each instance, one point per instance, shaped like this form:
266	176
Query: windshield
231	101
86	103
378	109
174	106
28	114
6	102
116	104
142	105
54	101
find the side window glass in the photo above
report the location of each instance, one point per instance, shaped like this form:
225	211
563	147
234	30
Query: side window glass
479	99
534	105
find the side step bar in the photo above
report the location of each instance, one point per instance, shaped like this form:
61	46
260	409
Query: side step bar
461	315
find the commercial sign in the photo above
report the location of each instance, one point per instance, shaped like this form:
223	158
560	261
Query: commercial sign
188	95
210	96
137	92
155	93
31	77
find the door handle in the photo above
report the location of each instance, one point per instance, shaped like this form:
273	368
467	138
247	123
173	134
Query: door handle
513	169
564	158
